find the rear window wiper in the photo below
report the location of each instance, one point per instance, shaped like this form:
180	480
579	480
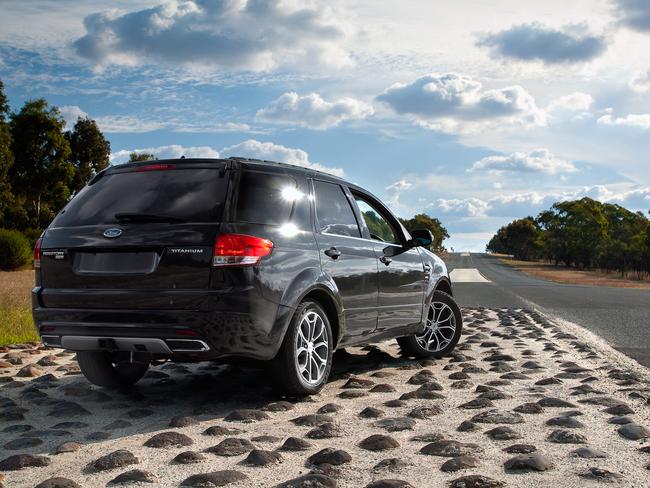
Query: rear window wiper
146	217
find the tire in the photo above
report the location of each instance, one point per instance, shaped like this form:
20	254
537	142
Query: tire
98	368
292	368
443	314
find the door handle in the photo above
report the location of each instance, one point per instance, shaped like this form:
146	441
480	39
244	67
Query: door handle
386	260
333	253
427	268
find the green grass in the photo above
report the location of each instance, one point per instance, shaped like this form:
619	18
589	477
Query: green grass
16	324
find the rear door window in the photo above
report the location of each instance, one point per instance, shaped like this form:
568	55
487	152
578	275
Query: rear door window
333	210
187	194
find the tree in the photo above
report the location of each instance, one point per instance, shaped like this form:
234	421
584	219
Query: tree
90	152
41	174
134	157
6	159
519	238
423	221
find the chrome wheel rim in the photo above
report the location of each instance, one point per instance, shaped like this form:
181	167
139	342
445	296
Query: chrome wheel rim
311	348
439	329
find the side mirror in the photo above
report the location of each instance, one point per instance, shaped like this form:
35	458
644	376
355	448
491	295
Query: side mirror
421	237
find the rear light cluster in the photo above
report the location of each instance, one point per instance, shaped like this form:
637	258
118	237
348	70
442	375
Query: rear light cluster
37	253
154	167
240	250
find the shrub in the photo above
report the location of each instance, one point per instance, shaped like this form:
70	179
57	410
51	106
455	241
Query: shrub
15	251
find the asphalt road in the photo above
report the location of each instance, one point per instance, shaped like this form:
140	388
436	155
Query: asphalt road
619	315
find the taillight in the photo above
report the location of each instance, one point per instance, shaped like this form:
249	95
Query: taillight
154	167
37	253
240	250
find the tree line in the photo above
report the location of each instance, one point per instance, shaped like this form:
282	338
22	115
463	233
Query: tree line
581	233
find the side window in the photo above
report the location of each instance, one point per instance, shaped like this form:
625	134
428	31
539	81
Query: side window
270	199
380	228
333	210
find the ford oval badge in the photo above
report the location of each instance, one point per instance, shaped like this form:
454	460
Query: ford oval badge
113	232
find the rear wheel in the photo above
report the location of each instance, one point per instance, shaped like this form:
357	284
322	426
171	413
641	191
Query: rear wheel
442	329
304	361
104	369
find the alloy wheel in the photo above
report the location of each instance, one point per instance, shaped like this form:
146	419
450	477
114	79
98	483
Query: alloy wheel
312	348
439	329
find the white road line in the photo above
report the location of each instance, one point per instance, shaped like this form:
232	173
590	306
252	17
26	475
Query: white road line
467	275
464	254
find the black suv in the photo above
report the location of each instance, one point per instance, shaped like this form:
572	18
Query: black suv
197	259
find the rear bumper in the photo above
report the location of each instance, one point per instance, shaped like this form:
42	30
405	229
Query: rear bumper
244	326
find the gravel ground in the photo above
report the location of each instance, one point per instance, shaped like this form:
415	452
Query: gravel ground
524	402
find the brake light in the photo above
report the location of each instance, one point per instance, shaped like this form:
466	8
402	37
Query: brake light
37	253
154	167
240	250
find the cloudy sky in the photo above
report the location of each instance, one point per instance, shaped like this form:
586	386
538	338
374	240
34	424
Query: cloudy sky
473	111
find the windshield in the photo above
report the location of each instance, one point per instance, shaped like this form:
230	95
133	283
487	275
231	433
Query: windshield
189	194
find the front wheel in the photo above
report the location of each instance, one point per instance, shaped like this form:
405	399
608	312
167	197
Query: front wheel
304	361
103	369
442	329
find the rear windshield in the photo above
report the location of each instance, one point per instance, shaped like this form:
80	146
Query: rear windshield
188	194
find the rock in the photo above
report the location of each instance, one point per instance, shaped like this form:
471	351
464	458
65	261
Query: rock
29	371
65	409
389	484
599	474
477	403
115	459
118	424
324	431
633	431
351	394
270	439
183	421
430	437
566	437
218	430
311	480
371	413
502	433
295	444
391	464
620	420
395	403
567	422
498	417
246	415
23	443
231	447
520	449
280	406
458	463
133	476
459	375
67	447
588	453
528	462
329	408
189	457
378	442
358	383
620	409
396	424
312	420
216	478
425	412
98	436
20	461
169	439
58	483
467	426
259	457
449	448
529	408
475	481
555	403
329	455
382	388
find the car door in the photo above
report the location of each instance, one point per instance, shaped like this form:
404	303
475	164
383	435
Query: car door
401	272
346	257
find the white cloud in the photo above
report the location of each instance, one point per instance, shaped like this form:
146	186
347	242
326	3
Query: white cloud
128	124
457	103
576	102
634	14
394	191
172	151
248	149
239	34
537	161
70	114
639	121
312	111
641	82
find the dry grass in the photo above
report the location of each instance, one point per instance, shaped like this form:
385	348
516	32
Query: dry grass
16	324
572	276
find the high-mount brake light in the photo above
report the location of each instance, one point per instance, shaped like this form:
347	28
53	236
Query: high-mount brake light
154	167
240	250
37	253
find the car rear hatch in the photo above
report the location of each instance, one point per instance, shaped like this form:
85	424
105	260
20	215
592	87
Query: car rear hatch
138	237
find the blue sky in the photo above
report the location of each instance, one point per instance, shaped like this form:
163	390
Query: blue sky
474	112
